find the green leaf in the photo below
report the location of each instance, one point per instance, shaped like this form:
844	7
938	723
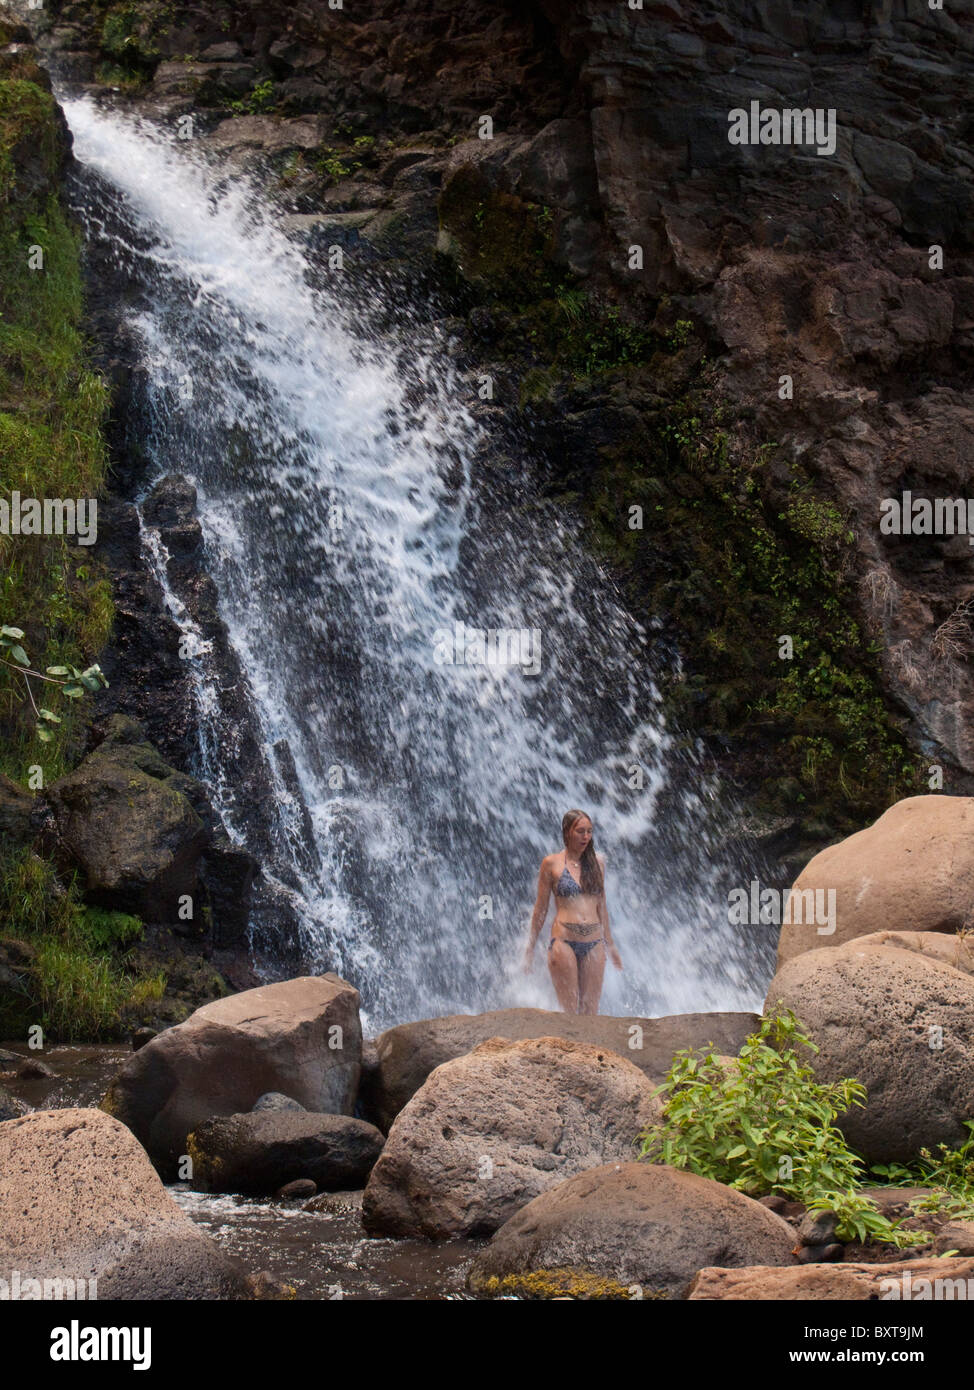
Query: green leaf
73	691
44	734
49	716
20	656
57	670
15	633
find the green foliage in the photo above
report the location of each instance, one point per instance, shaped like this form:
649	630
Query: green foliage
762	1124
741	551
334	164
679	336
128	39
258	101
52	409
949	1173
81	983
107	930
67	680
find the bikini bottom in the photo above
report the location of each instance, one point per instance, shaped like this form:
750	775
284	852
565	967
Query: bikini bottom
581	948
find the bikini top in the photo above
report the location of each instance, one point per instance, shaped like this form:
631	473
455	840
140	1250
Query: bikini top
566	887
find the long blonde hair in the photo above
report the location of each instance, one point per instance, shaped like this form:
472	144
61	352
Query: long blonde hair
591	872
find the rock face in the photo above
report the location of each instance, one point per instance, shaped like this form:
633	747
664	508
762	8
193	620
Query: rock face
642	1228
404	1056
489	1131
912	870
263	1152
11	1108
614	119
80	1200
125	819
302	1037
902	1023
16	809
902	1280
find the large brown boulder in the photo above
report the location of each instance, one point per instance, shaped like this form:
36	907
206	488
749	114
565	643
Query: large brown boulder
628	1230
912	870
124	819
902	1023
902	1280
302	1037
490	1130
80	1200
404	1056
264	1151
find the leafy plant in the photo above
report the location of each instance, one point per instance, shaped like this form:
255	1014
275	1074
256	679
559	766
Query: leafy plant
72	683
259	100
949	1173
762	1124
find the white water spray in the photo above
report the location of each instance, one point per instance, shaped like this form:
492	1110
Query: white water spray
347	523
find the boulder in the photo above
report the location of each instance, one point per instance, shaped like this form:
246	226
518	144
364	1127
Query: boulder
11	1108
124	819
902	1023
302	1037
912	870
298	1190
263	1152
404	1056
628	1230
274	1100
489	1131
898	1280
16	810
80	1200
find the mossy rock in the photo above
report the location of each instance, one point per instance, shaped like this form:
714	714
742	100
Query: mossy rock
537	1284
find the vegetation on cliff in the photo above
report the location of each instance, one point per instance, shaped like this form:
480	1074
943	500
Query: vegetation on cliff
731	549
63	963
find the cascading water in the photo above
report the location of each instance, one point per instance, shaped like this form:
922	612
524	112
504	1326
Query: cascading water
349	529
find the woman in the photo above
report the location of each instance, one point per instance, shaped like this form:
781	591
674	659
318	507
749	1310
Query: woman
580	935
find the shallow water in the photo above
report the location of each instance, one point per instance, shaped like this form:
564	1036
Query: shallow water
323	1255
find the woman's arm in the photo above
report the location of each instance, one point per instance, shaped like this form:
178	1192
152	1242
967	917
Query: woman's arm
540	912
610	945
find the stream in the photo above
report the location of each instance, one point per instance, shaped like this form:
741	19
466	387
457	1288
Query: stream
322	1254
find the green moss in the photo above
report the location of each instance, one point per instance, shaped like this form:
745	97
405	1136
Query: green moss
128	39
506	249
738	555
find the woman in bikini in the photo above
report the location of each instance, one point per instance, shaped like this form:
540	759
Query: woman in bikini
580	935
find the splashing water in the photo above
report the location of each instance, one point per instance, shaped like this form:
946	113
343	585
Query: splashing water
350	524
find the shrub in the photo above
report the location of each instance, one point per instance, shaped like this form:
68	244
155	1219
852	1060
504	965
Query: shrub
762	1124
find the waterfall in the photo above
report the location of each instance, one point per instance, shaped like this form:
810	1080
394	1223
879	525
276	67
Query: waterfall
351	521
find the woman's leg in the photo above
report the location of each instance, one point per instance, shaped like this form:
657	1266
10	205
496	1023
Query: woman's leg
563	968
590	972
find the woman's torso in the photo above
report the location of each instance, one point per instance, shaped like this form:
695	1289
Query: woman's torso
576	913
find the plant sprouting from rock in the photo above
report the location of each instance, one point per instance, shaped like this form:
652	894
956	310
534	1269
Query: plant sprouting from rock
760	1123
67	681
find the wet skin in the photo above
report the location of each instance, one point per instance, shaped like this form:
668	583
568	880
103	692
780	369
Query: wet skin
578	983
